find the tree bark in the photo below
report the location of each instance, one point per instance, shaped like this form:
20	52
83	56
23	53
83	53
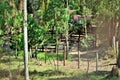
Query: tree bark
118	58
64	53
21	5
25	42
116	70
67	45
12	3
96	61
57	54
67	33
118	38
79	51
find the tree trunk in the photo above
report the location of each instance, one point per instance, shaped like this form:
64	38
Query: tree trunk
116	69
64	53
118	38
67	45
96	61
118	59
12	3
25	42
16	52
67	33
21	5
79	51
57	54
30	52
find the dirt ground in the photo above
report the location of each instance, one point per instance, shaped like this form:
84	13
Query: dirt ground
88	61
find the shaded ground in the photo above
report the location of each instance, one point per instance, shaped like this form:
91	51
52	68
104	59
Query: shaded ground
89	57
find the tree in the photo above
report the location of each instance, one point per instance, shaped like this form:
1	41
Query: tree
25	42
66	26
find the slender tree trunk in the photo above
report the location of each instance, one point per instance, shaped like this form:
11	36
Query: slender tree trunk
96	61
30	52
21	5
57	54
25	42
45	57
12	3
45	54
118	38
118	58
16	52
66	36
10	74
67	45
79	52
117	49
64	53
88	65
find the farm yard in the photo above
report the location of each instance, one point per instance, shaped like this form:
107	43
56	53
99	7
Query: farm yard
59	40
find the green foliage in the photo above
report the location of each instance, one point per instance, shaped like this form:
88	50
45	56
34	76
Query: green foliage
1	50
51	15
85	41
37	33
10	23
49	56
112	52
1	42
20	52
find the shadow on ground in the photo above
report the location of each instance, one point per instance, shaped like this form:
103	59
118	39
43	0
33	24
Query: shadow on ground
53	75
6	60
100	75
90	54
47	73
65	78
6	74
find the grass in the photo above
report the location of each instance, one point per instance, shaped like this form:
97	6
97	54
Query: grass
45	71
49	56
53	56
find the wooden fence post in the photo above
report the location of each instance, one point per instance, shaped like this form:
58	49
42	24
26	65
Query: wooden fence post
117	50
79	51
114	45
96	61
64	55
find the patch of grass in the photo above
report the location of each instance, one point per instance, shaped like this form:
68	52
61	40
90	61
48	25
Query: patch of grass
49	56
97	77
115	78
21	53
1	50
